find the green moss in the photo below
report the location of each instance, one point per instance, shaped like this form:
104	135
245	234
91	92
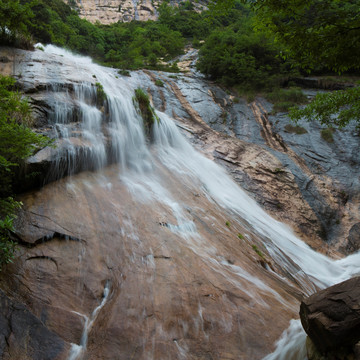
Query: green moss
298	130
278	171
100	94
293	95
227	223
145	109
327	135
283	106
240	236
256	249
158	82
124	72
284	99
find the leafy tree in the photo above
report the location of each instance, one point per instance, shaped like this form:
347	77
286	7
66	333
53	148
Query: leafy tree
13	19
315	32
17	142
236	55
335	109
318	32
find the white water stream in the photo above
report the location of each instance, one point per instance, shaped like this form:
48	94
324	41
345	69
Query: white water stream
137	165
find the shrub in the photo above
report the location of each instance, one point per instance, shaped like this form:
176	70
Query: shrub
284	106
145	109
158	82
256	249
124	72
285	99
17	142
100	94
292	95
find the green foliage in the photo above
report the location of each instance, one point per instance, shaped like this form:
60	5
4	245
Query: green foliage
17	142
227	223
327	135
100	94
314	32
159	82
123	45
295	129
124	72
293	95
240	236
236	55
278	171
256	249
186	21
335	109
14	17
285	99
146	110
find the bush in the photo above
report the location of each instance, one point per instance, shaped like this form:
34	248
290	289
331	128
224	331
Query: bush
17	142
158	82
285	99
100	94
237	55
145	109
293	95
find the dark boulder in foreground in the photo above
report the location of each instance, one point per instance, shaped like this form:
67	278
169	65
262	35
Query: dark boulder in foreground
24	336
331	317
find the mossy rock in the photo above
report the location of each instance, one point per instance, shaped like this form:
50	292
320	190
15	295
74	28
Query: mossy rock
327	135
297	129
146	111
100	95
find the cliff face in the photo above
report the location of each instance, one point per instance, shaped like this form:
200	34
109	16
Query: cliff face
111	11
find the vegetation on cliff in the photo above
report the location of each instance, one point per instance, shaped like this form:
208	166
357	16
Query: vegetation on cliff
17	142
318	35
145	109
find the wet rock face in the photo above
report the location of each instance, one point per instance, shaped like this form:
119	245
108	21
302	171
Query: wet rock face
331	317
24	336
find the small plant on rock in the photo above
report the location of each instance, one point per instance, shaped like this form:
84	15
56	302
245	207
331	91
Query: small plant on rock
145	109
158	82
100	94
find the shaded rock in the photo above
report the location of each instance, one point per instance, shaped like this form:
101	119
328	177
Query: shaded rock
354	238
24	336
320	83
331	317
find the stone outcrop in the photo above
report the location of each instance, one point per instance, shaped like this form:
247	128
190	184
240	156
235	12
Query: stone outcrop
111	11
24	336
331	317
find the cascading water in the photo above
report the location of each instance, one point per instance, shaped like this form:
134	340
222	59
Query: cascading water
153	174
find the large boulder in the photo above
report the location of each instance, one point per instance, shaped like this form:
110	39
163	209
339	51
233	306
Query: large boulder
24	336
331	317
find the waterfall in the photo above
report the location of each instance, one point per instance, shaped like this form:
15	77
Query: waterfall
115	134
